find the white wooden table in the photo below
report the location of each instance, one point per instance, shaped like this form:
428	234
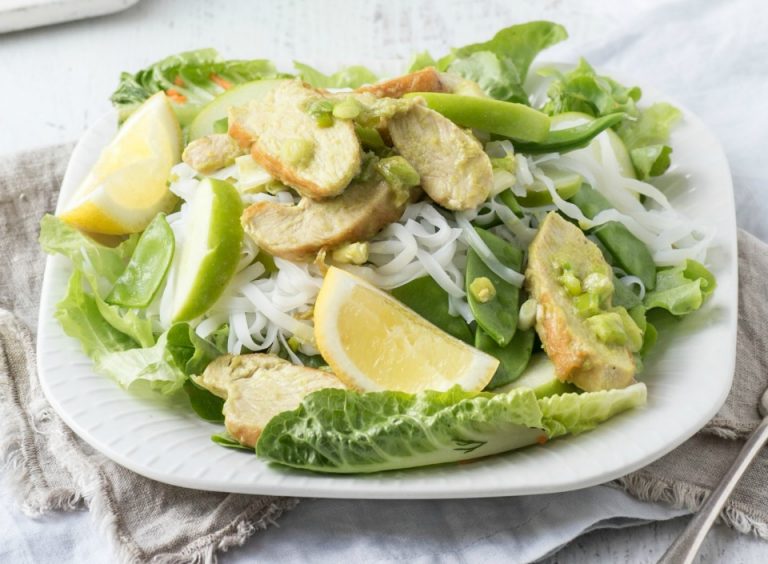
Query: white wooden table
56	81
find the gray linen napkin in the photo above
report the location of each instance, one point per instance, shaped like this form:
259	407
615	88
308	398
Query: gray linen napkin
688	474
56	471
53	470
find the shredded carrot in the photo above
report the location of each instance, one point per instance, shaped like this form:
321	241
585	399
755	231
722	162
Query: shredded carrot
176	96
542	439
178	81
224	83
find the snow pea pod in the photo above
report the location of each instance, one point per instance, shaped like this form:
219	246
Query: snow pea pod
429	300
496	314
513	358
576	137
508	199
628	252
144	274
509	119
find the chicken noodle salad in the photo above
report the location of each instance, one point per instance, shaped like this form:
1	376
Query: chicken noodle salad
356	274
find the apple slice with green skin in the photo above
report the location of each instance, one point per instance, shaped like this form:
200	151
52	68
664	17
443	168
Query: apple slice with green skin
566	185
218	108
517	121
210	248
540	377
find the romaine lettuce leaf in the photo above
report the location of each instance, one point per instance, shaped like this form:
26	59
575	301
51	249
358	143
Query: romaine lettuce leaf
501	64
194	77
342	431
350	77
681	289
576	413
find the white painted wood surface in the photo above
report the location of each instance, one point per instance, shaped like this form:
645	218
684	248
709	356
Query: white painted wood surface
56	80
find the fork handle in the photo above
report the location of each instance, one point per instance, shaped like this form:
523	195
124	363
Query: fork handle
687	545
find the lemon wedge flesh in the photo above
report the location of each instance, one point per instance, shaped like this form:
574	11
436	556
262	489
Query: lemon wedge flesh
373	342
127	187
210	251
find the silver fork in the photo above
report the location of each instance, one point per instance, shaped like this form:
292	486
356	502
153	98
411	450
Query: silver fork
687	545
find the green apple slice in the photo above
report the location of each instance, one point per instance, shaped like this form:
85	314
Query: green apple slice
210	248
566	185
218	108
540	377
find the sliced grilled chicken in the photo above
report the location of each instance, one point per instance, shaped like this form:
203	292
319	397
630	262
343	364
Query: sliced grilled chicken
284	138
212	152
578	354
259	386
455	171
298	232
425	80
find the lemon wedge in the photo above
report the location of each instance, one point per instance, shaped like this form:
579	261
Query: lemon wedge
127	187
373	342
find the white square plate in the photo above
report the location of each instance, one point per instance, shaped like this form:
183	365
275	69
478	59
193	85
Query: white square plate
688	376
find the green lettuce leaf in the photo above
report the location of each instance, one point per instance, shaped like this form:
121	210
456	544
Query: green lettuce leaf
501	64
196	75
80	318
646	138
58	237
178	353
681	289
576	413
583	90
350	77
99	266
342	431
421	61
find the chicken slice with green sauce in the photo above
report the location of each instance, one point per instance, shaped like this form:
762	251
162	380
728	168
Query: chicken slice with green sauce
319	162
212	152
590	342
257	387
424	80
455	171
299	231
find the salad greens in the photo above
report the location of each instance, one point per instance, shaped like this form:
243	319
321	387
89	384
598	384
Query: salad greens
342	431
681	289
501	64
192	79
645	131
112	298
120	341
350	77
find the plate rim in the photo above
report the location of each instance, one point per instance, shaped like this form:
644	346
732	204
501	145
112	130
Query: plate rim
402	489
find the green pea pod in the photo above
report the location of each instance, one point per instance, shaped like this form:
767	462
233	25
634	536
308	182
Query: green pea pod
513	358
627	251
144	274
498	315
429	300
508	199
509	119
563	140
